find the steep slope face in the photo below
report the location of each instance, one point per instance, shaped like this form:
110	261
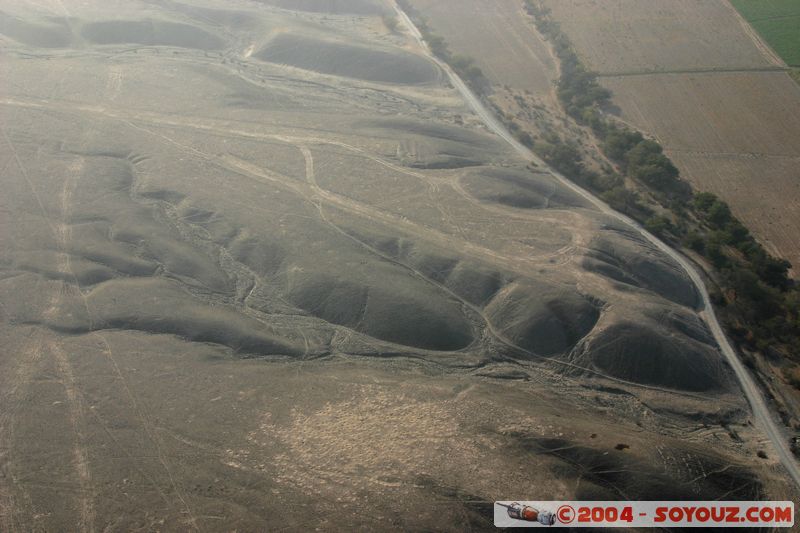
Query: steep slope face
342	59
224	277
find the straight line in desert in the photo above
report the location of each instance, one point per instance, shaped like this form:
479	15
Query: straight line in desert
708	70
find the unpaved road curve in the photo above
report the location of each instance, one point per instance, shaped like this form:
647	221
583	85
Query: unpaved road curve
761	412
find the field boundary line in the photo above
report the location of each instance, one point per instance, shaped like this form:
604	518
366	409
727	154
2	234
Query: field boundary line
769	53
709	70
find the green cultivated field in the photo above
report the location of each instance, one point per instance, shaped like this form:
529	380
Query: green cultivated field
778	21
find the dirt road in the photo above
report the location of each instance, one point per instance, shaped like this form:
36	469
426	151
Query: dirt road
761	412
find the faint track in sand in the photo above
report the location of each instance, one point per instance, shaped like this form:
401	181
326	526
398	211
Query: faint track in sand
13	494
498	335
62	233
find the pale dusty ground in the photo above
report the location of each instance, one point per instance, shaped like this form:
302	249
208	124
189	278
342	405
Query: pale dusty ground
222	282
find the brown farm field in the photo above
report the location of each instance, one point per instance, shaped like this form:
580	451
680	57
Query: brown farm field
694	75
765	189
516	59
498	36
729	122
733	134
742	113
651	35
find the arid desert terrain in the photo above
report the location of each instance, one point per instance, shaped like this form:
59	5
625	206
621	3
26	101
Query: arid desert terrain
262	268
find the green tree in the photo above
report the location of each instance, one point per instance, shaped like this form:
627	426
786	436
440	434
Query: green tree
714	251
525	138
658	225
391	22
719	214
622	199
564	157
774	271
758	301
695	241
437	45
619	142
704	200
605	182
737	231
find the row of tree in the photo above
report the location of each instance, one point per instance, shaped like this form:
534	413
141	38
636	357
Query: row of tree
761	303
464	66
